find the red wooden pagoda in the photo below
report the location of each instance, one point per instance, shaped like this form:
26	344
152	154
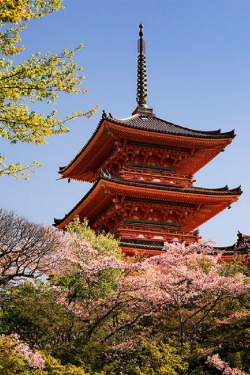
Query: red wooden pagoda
142	168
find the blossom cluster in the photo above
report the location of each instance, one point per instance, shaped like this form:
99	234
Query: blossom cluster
216	362
34	358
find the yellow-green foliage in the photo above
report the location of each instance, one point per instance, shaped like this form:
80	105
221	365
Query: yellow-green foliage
54	367
12	363
105	244
17	13
148	358
39	78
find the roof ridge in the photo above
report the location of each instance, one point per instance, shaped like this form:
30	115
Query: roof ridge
108	177
151	117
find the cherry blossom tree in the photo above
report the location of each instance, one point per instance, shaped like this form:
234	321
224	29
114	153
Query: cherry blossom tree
116	301
120	293
17	357
97	288
190	280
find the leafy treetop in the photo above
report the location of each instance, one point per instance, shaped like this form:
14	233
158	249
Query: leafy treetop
39	78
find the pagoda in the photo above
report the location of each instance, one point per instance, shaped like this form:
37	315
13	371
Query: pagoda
143	171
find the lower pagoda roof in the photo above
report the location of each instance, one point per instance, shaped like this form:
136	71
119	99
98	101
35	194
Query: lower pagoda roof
141	244
241	250
100	198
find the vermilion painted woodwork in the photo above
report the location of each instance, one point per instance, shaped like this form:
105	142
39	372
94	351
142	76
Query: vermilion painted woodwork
143	172
112	144
149	212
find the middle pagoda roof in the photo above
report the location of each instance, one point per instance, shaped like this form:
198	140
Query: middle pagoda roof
144	129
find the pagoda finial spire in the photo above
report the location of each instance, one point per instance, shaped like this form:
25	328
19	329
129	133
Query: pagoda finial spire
141	96
141	73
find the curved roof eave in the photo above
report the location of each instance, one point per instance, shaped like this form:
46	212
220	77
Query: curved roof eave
154	125
224	192
198	190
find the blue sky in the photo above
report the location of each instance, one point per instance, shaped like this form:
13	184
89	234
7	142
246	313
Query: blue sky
198	68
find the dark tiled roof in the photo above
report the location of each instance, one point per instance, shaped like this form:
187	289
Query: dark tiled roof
153	245
156	124
231	250
242	246
195	190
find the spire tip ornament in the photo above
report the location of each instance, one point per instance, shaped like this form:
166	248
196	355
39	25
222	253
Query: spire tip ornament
141	96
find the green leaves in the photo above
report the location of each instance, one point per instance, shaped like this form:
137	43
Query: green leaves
18	13
17	170
40	78
105	244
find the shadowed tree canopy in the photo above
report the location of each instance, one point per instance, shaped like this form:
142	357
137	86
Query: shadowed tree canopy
26	249
40	78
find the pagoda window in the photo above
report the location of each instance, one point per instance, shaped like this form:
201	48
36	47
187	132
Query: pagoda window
157	168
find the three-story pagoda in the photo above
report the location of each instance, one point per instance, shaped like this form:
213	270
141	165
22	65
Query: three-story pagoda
143	172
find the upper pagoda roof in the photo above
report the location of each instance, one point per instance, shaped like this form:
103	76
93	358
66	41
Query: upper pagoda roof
153	123
143	129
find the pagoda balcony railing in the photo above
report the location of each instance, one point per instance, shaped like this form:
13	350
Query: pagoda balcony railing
154	231
154	176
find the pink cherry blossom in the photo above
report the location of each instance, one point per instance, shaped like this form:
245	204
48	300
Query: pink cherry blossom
34	358
181	276
219	364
